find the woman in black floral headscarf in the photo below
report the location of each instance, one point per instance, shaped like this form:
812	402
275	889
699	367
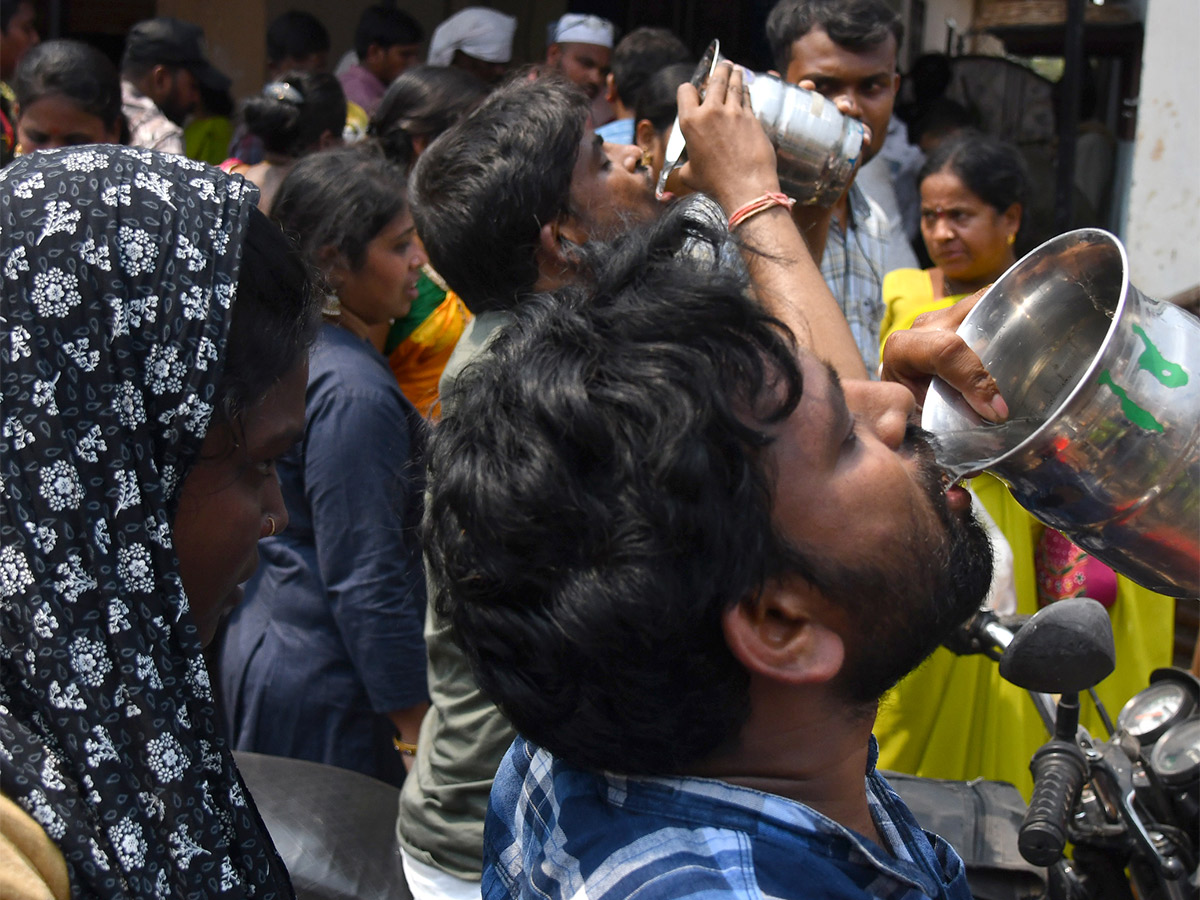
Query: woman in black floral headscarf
155	330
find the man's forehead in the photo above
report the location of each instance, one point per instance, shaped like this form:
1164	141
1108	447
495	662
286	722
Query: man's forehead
594	51
816	49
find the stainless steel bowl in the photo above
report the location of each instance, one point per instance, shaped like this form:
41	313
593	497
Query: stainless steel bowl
816	147
1103	389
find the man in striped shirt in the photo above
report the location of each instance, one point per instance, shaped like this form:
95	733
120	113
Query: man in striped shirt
685	560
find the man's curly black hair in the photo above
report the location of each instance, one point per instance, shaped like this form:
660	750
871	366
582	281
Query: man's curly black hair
598	501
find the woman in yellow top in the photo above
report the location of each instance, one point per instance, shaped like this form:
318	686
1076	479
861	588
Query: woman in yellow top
955	717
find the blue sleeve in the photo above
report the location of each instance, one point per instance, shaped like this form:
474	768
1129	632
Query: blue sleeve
363	488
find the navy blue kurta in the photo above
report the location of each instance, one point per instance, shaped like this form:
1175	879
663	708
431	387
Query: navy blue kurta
329	637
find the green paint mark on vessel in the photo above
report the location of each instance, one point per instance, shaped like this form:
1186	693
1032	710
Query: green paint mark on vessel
1131	410
1170	374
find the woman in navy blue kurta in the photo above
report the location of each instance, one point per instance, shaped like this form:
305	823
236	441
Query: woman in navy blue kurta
325	660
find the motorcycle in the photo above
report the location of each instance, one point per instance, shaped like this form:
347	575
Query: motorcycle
1129	803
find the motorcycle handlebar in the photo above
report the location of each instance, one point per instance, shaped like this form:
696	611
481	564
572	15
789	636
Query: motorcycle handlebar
1059	771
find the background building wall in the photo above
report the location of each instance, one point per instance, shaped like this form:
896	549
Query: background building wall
1162	225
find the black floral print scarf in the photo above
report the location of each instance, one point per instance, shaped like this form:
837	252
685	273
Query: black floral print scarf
119	268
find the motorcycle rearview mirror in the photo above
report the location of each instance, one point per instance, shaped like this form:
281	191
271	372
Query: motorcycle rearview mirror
1065	647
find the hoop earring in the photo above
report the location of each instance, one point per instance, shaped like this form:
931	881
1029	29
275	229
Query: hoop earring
271	519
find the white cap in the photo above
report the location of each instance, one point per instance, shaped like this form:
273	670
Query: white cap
577	28
477	31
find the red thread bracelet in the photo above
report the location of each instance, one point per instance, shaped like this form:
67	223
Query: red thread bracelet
757	205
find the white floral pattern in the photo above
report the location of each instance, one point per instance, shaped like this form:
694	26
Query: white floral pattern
137	250
43	395
195	302
91	445
135	569
18	344
14	572
25	189
44	622
85	161
84	357
96	256
60	217
166	757
117	277
60	486
165	369
128	404
73	579
116	195
17	435
128	843
16	264
156	185
55	292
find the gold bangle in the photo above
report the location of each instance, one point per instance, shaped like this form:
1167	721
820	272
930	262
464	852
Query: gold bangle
403	746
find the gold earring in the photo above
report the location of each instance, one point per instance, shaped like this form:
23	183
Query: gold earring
1012	239
271	520
647	157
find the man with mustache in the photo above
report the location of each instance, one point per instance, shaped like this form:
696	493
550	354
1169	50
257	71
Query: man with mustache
580	49
685	560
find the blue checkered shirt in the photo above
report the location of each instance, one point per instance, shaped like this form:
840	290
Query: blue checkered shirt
555	831
853	266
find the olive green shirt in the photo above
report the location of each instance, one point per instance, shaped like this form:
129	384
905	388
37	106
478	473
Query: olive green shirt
463	736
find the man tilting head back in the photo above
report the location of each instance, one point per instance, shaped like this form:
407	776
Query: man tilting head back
685	561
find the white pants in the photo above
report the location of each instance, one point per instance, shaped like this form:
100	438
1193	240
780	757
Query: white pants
429	883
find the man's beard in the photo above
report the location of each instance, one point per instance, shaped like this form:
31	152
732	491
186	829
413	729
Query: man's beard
904	600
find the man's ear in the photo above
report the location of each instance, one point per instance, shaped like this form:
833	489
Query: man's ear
553	55
644	134
373	59
328	140
160	81
553	254
610	88
782	635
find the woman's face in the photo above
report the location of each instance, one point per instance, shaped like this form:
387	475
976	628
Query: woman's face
230	499
57	121
969	240
385	285
17	38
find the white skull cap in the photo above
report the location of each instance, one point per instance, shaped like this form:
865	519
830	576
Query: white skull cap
577	28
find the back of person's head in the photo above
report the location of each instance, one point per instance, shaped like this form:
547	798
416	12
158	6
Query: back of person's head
657	101
385	26
853	24
941	119
8	9
483	190
335	202
274	318
295	35
599	501
639	55
75	71
991	169
422	103
292	114
930	75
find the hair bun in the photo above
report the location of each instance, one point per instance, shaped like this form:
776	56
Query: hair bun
284	92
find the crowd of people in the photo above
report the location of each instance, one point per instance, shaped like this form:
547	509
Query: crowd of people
394	423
